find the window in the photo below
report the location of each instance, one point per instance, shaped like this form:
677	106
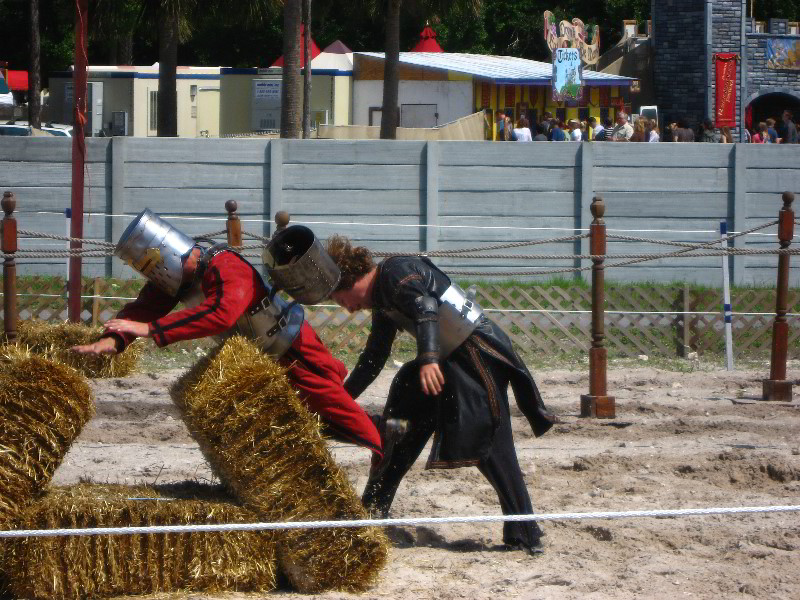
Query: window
561	114
794	28
153	111
759	27
583	114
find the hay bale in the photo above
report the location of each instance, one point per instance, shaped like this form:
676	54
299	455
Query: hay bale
266	446
54	340
72	567
43	407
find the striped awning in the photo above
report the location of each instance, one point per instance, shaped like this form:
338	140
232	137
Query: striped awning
497	69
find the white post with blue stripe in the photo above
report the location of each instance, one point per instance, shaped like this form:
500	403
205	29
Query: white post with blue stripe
726	300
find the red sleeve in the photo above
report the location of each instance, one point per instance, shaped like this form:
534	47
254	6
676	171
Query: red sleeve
150	304
229	284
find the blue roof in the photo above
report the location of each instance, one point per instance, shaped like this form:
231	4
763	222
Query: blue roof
498	69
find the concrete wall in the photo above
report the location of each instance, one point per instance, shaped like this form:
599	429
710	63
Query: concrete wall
453	98
417	196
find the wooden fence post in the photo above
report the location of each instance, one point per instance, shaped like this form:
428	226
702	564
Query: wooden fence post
598	404
233	225
281	220
777	387
9	246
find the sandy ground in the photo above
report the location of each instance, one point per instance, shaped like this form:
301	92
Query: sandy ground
680	440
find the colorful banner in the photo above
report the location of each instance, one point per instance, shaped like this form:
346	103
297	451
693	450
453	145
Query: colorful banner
567	74
725	112
486	95
783	54
574	35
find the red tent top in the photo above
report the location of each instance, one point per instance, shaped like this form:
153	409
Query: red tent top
314	48
18	81
427	41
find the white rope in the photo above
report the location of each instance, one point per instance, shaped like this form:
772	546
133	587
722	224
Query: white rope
685	512
416	225
496	310
608	312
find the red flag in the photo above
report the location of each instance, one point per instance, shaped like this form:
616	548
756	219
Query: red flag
725	111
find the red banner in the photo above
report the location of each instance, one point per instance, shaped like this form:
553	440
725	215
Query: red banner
725	112
486	95
511	95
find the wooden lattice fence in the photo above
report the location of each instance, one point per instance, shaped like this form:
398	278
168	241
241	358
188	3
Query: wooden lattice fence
540	320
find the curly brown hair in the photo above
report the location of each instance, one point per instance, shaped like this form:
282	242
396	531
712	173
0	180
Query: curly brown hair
354	261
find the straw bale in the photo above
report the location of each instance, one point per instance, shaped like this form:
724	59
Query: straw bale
43	407
73	567
54	340
267	447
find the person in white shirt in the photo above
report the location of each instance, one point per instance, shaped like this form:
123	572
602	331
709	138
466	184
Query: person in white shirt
655	134
595	127
574	130
623	132
522	131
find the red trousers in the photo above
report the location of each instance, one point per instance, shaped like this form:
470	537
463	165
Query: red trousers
318	377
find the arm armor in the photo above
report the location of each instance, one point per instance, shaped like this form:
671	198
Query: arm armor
426	321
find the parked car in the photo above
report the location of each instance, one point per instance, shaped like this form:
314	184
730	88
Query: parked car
21	128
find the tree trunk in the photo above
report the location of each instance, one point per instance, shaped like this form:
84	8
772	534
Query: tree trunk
34	70
307	72
389	112
125	48
292	88
167	73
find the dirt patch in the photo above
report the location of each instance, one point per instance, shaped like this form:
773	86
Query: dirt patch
677	442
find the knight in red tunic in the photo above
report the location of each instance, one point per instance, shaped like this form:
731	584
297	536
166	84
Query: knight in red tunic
222	291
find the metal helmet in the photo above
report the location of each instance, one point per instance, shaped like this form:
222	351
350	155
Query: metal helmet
156	249
298	264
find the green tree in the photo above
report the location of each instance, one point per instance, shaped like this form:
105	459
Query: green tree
113	23
292	86
34	69
389	109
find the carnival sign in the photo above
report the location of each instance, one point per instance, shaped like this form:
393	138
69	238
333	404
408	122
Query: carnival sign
572	35
725	110
567	74
783	54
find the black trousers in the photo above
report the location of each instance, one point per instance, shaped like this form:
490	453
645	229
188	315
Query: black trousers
500	467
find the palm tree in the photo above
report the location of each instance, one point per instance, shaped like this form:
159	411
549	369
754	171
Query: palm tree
389	111
34	70
307	69
291	90
391	85
113	24
169	20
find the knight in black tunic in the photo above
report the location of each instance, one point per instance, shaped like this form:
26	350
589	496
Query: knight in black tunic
455	389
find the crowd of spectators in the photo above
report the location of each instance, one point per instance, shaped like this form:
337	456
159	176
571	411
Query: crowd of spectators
641	130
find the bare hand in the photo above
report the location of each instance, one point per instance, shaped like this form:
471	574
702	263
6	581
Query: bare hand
431	379
102	346
130	327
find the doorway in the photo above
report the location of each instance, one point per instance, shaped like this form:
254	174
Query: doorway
771	105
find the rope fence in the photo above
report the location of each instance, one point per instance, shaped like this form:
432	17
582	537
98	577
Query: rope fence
404	522
597	403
